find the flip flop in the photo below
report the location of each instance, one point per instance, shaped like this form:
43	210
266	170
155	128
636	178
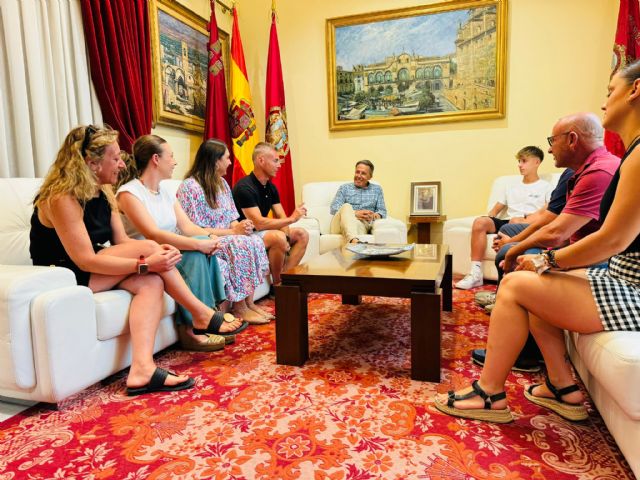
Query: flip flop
213	343
156	384
486	414
574	412
216	322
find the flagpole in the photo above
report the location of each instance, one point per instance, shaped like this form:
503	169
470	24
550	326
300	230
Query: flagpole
226	9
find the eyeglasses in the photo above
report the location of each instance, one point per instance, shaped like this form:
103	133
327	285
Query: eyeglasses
552	137
88	133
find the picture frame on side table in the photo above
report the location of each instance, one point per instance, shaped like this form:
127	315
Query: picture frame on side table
425	198
179	64
444	62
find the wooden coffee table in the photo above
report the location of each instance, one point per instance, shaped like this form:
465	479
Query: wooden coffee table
423	275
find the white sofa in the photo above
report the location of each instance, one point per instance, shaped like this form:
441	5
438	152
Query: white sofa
57	338
609	365
317	197
457	232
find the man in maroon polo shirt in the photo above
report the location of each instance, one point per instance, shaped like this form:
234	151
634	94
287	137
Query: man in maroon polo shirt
576	142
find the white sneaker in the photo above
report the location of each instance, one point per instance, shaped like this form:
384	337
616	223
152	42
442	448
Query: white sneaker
470	281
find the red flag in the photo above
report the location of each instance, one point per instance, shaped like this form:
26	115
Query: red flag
626	49
276	117
216	120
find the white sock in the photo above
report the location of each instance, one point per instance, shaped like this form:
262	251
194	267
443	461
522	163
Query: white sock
476	269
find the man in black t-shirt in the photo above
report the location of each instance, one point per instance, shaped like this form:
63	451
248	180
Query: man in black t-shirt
255	197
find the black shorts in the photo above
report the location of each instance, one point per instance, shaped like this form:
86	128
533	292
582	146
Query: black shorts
498	223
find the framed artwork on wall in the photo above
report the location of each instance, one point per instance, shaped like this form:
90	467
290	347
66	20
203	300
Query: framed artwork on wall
434	63
179	63
425	198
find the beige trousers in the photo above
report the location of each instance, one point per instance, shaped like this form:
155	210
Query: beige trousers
346	223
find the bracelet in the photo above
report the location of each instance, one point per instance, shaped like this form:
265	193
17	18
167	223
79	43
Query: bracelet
550	256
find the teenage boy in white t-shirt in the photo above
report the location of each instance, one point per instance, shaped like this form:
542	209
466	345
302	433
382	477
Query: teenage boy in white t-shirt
521	201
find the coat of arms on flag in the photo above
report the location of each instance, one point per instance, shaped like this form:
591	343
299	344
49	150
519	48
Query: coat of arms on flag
276	133
242	121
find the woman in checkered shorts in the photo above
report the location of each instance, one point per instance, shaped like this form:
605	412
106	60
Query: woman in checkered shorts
545	300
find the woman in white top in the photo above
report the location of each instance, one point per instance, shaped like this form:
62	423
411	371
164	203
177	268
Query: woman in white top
153	213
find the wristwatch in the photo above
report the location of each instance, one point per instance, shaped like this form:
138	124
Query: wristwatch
143	266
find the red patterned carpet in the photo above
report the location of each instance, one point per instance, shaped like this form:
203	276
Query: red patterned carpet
351	413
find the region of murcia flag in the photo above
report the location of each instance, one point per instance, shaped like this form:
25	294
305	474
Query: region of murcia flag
242	122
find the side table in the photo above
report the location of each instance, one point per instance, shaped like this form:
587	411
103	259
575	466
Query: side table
424	225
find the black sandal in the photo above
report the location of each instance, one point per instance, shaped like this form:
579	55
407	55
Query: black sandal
574	412
216	322
486	414
156	384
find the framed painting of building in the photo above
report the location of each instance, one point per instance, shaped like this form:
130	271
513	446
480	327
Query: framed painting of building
435	63
180	58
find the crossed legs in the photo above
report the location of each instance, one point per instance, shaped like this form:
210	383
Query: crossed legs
146	307
528	301
347	224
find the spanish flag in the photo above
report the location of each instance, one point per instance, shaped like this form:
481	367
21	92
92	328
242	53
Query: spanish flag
242	121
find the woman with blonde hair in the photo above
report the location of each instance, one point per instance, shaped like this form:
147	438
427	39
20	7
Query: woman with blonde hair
546	299
206	198
75	224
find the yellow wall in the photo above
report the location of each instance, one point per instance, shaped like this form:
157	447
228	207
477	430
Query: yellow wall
558	58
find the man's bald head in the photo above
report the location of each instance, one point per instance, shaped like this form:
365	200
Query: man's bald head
588	127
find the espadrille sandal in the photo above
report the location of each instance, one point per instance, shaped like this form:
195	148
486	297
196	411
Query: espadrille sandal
486	414
570	411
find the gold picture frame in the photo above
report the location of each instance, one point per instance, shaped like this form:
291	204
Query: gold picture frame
178	37
426	198
390	69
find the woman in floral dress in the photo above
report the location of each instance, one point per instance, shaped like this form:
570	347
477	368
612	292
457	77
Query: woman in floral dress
206	198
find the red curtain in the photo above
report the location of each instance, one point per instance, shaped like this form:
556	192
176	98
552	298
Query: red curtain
117	36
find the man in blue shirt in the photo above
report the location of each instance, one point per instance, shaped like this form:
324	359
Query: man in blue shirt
357	205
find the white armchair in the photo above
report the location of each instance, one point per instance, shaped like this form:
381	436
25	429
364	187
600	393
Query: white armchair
457	231
317	197
56	338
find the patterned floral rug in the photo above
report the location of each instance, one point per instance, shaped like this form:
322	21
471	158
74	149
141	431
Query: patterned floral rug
351	413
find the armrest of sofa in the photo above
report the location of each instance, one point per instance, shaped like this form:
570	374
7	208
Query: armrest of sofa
308	223
19	287
312	226
462	222
389	230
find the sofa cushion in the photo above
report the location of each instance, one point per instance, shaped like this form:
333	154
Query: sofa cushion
613	358
112	312
16	198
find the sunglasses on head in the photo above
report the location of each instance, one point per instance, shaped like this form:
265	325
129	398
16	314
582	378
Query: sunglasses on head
88	133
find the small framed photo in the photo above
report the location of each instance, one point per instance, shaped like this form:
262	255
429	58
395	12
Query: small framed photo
425	198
